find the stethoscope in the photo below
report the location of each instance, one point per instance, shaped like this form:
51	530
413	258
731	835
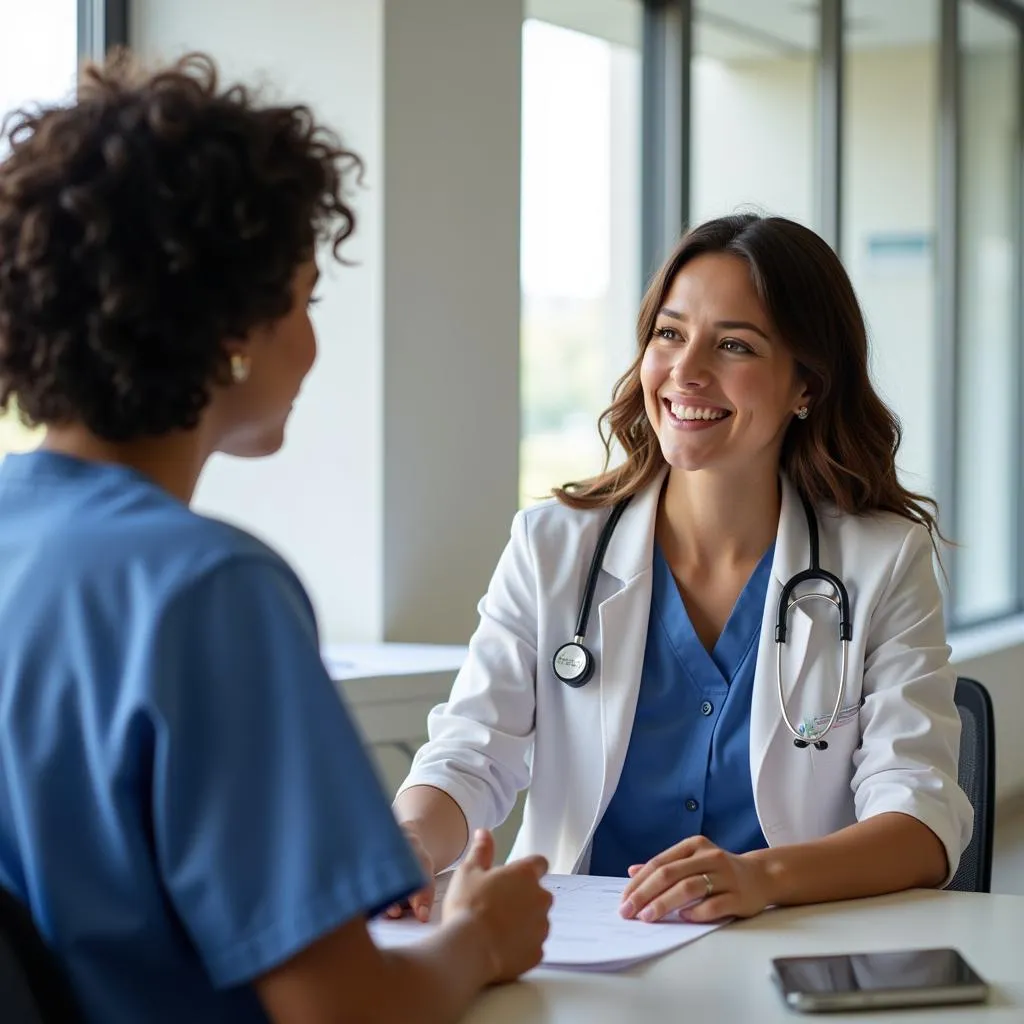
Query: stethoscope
573	662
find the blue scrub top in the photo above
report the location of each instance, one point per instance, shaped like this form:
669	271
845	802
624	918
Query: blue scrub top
687	767
184	802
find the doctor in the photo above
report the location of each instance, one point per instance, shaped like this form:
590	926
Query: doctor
674	764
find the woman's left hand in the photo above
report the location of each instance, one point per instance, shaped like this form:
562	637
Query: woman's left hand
698	879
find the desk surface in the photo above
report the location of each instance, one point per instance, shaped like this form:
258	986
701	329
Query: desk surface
724	977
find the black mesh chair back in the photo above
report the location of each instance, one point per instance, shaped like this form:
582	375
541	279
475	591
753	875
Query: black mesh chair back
977	778
33	988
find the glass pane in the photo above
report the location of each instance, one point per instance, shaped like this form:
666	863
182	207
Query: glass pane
988	331
38	63
753	108
889	208
580	229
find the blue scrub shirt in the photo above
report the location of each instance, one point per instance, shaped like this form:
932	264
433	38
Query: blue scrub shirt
184	802
687	767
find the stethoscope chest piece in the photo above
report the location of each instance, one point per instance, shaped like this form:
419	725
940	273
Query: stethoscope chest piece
573	664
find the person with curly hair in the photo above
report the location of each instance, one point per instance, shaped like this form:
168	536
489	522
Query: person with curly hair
186	809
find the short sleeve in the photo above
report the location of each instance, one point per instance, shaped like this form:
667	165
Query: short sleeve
270	824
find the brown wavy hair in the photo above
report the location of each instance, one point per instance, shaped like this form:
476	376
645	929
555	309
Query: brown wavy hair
158	215
844	453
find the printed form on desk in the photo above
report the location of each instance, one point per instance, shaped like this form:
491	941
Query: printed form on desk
587	933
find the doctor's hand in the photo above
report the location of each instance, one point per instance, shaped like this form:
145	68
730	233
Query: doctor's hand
699	880
419	903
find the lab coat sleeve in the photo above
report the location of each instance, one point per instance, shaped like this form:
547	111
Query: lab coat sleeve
910	728
480	741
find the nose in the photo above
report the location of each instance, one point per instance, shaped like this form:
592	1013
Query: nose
691	366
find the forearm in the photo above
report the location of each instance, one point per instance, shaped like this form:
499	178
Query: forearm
438	821
887	853
434	981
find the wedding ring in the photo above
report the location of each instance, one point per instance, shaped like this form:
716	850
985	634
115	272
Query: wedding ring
708	886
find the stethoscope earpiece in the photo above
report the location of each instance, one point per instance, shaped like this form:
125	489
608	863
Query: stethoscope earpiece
818	745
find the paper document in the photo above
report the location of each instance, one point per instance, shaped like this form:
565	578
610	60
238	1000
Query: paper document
587	933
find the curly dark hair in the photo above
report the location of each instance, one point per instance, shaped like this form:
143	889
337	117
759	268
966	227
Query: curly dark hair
142	226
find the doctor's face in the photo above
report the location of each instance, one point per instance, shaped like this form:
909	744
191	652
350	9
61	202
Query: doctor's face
720	387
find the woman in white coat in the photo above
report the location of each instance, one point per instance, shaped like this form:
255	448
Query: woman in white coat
673	765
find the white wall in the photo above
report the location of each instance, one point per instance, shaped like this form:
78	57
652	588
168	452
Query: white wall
451	308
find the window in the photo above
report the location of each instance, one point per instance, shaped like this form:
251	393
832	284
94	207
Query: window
38	63
580	230
753	108
889	210
988	392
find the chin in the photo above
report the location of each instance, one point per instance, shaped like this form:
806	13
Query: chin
255	447
688	461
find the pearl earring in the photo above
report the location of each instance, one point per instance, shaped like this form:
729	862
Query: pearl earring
802	412
241	366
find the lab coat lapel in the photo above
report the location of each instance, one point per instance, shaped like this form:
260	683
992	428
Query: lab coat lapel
622	642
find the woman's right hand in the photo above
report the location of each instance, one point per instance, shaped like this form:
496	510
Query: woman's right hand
508	904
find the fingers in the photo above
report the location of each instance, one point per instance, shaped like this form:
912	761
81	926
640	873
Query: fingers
537	865
681	851
420	903
481	850
395	910
712	909
664	894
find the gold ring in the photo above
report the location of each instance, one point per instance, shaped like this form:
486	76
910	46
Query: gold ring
708	886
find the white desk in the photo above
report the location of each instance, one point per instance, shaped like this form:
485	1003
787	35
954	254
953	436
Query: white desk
723	978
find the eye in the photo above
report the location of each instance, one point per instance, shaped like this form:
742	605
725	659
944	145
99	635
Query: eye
668	333
734	345
313	300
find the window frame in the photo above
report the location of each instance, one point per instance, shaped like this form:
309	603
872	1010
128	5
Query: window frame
102	25
667	144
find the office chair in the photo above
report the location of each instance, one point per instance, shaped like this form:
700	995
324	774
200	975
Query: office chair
977	778
33	988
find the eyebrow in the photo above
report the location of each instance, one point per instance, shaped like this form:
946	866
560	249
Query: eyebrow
726	325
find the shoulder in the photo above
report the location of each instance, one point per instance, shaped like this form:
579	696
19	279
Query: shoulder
209	549
550	525
165	551
880	535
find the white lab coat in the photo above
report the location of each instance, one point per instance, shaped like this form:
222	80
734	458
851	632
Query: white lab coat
510	723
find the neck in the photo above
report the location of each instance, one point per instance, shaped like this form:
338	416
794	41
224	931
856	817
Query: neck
173	461
708	519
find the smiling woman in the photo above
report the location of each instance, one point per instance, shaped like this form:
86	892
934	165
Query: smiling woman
747	408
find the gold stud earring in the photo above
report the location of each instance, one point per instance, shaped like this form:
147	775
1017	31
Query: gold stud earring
802	412
241	366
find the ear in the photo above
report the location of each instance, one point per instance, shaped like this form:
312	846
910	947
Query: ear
804	390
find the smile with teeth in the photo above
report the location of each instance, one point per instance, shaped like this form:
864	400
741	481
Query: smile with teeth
691	412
